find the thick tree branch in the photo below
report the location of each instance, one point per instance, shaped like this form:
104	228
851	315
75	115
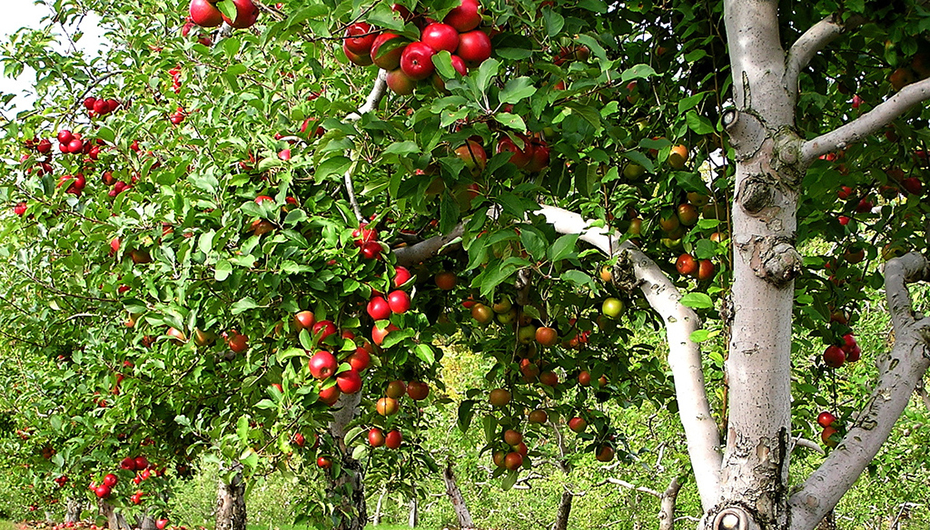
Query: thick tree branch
684	354
374	97
424	250
806	47
868	123
910	359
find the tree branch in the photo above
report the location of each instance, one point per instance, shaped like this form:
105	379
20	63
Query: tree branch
684	354
868	123
371	103
910	359
806	47
413	254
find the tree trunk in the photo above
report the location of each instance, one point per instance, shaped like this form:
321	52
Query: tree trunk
146	522
667	505
413	516
354	512
377	518
230	501
458	501
115	520
564	510
73	509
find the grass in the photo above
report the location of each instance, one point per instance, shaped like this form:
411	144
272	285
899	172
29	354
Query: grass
302	527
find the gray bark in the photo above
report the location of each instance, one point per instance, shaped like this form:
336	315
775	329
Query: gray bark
376	520
353	508
147	522
456	498
73	509
564	511
667	505
230	502
115	520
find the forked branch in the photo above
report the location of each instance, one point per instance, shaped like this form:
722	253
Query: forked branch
806	47
371	103
909	361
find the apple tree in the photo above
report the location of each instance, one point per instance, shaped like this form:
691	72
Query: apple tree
247	225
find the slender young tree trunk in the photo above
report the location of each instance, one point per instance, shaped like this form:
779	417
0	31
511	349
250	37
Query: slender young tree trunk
354	512
377	518
413	517
563	511
668	499
457	499
230	502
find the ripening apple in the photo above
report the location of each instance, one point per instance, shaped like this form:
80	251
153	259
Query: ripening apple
825	419
330	395
678	156
304	320
386	60
513	461
686	265
834	356
378	308
393	439
518	156
400	83
417	390
396	389
387	406
499	397
238	342
538	416
358	59
378	335
612	307
474	156
360	359
577	424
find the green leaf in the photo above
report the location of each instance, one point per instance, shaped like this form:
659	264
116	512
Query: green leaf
465	414
578	278
534	242
222	271
563	247
402	148
697	301
228	8
516	90
700	335
448	213
690	102
266	404
336	165
511	121
639	71
698	124
509	480
425	353
243	305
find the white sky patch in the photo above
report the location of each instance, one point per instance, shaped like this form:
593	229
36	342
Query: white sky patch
27	14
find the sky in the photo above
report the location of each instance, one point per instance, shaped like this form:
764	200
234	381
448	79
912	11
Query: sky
25	13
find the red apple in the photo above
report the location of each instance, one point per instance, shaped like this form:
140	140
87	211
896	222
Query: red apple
323	364
519	157
349	382
440	37
401	276
474	47
825	419
204	14
378	335
359	59
375	437
246	14
398	301
359	38
834	356
417	390
378	308
389	58
539	156
304	320
417	61
393	439
465	17
330	395
324	329
474	156
360	359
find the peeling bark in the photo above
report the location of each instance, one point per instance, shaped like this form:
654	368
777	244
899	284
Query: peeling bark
353	507
456	498
230	501
73	509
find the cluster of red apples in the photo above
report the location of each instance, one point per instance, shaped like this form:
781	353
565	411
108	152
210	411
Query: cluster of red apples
100	107
204	13
409	63
837	355
389	405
